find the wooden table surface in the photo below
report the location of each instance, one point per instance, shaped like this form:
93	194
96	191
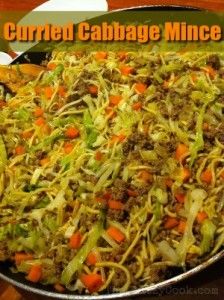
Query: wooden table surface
206	285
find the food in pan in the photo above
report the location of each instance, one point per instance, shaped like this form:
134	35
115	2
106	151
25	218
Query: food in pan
112	169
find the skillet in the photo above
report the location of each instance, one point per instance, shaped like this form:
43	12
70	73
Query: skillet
18	279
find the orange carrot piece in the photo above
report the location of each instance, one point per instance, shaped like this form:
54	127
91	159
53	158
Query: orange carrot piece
115	100
91	259
116	234
126	70
40	121
206	176
92	281
101	200
114	204
68	147
201	216
27	134
181	150
19	150
107	196
21	256
59	288
137	105
44	161
98	155
101	55
46	129
2	103
185	174
110	111
122	55
169	182
48	92
93	90
51	66
117	138
181	226
75	240
72	132
61	91
211	72
145	176
171	223
194	77
132	193
38	112
140	88
35	274
180	197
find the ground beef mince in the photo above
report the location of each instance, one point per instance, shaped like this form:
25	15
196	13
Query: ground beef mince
214	61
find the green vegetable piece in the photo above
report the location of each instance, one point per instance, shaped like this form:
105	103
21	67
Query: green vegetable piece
76	263
43	203
208	230
22	114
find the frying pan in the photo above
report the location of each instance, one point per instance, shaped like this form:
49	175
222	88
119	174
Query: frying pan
18	280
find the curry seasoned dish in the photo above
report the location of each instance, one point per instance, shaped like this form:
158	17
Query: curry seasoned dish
112	169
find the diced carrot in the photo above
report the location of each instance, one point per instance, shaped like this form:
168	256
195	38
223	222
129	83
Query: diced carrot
132	193
68	147
72	132
40	121
91	259
51	66
122	55
48	92
92	281
180	197
181	151
98	155
110	111
19	150
114	204
194	77
101	55
101	200
145	176
201	216
61	91
35	274
211	72
107	196
38	112
46	129
117	138
171	223
44	161
205	126
140	88
116	234
185	174
206	176
59	288
115	100
126	70
169	182
21	256
137	105
93	90
75	240
38	89
27	134
181	226
2	103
